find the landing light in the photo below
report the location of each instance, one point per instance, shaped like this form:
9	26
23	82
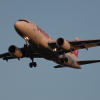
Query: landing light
26	38
55	49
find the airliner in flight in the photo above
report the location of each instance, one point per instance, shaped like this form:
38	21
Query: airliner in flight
40	45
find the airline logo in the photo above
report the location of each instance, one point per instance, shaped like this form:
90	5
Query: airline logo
43	32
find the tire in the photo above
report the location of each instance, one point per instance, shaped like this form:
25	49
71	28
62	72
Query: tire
34	64
66	60
31	65
62	60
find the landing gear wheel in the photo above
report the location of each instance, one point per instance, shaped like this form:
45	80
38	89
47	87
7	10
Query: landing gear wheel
31	65
62	60
66	60
34	64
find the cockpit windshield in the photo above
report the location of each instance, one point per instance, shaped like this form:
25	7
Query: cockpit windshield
23	20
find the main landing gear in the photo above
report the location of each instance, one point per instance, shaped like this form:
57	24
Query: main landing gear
32	63
64	58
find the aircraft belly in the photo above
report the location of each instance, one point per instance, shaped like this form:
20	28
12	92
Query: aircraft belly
46	53
40	45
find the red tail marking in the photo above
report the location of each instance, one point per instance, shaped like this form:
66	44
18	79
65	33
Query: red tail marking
76	51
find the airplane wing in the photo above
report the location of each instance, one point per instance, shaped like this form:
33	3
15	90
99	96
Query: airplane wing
87	62
27	52
80	44
59	66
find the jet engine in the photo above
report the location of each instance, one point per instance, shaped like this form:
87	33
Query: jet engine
62	43
14	51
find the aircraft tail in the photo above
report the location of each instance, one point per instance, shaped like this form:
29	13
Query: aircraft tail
76	51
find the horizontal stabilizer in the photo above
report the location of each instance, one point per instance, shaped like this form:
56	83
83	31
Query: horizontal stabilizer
59	66
87	62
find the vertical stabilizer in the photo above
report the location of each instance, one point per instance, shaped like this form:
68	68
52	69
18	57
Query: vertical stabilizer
76	51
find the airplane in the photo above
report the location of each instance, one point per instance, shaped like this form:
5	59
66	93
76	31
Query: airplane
40	45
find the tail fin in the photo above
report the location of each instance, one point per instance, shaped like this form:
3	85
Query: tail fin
76	51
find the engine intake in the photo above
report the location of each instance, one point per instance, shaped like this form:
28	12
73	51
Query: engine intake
14	51
62	43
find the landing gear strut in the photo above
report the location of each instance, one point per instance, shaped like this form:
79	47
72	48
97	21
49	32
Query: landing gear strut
64	58
32	63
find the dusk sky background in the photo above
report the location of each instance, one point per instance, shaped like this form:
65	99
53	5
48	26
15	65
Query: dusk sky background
59	18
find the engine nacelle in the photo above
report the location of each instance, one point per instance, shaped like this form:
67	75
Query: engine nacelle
62	43
14	51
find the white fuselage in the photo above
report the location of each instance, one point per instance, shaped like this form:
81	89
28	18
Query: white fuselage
38	40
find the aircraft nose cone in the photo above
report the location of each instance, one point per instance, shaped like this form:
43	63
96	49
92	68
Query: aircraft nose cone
16	25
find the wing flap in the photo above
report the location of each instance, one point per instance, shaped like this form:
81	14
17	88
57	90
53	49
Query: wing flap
87	62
